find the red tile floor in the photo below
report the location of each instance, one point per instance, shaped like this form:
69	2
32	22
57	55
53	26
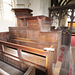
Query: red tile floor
64	56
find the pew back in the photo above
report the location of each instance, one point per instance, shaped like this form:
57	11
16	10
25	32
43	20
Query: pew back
47	54
32	37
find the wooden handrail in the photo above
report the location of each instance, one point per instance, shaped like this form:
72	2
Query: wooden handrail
48	54
25	48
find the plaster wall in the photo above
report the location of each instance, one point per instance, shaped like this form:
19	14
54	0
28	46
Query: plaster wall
7	16
1	7
39	7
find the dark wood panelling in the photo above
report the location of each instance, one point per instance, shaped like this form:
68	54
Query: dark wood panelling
22	33
32	37
4	36
41	22
32	23
30	34
36	39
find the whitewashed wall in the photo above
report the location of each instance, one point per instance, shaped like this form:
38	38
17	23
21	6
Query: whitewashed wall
1	7
7	18
39	7
20	3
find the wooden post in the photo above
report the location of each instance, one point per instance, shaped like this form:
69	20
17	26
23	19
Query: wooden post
60	14
49	61
2	48
20	56
19	53
72	19
50	14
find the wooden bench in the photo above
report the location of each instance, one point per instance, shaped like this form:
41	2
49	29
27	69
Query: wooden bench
48	55
35	32
32	37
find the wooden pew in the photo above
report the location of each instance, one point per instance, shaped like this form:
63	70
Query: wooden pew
32	37
35	31
48	54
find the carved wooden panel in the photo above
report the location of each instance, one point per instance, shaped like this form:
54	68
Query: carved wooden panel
32	23
42	22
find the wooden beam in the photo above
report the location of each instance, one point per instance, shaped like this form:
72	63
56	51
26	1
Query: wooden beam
64	2
55	2
51	3
60	14
70	6
68	2
60	3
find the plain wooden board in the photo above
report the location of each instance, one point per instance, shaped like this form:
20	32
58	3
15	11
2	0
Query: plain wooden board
73	55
